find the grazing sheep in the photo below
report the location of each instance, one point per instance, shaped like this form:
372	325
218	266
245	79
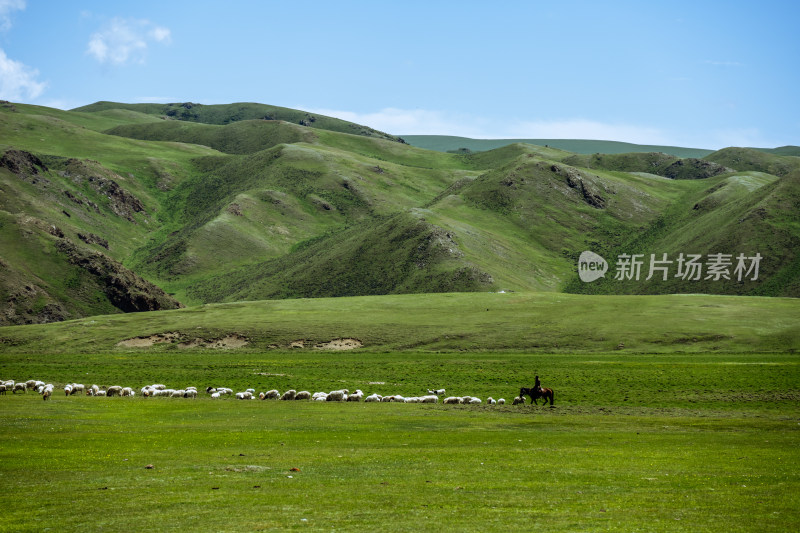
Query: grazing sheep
19	386
68	389
46	392
465	399
178	393
450	400
225	390
210	390
31	384
430	398
397	398
475	401
190	393
501	401
273	394
337	395
373	398
2	388
101	393
92	391
215	395
491	401
251	391
302	395
437	392
289	394
356	396
388	398
114	390
322	398
518	400
77	388
412	399
126	391
246	395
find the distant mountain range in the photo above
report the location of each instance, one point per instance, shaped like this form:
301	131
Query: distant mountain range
130	207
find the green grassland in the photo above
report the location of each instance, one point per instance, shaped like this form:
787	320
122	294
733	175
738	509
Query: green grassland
542	322
665	442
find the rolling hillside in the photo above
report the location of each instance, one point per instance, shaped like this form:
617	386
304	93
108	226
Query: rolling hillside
128	207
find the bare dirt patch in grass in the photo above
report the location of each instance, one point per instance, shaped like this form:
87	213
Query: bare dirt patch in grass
146	342
340	344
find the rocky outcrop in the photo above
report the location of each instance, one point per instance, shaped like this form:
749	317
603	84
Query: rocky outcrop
125	290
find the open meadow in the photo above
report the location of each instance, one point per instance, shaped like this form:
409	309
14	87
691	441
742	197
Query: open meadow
691	438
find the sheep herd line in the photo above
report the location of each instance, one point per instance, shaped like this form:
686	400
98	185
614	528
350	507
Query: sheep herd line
342	395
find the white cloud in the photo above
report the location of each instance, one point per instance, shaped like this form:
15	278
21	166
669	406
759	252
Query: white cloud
427	122
18	81
122	41
6	7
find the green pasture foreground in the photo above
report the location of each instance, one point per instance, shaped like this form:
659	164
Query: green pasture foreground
81	464
530	321
661	442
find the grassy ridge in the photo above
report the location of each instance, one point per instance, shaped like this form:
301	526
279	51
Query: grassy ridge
541	322
227	113
444	143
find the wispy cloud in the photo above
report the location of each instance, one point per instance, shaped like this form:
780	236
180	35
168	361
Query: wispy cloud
123	41
6	7
18	81
429	122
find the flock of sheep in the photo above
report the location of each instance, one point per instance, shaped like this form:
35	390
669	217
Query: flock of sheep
342	395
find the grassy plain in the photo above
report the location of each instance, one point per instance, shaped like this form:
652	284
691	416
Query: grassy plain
707	442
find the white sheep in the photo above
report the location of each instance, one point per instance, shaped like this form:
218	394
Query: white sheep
302	395
246	395
215	395
67	389
491	401
356	396
190	393
337	395
430	398
450	400
501	401
30	384
398	398
273	394
289	394
114	390
47	391
101	393
92	391
373	398
178	393
475	401
251	391
518	400
437	392
126	391
3	388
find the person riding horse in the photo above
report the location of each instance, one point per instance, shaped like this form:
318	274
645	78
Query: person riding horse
537	386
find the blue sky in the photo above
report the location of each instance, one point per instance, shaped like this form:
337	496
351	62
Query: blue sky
700	74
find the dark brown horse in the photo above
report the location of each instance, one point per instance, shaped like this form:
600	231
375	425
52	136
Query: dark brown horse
543	392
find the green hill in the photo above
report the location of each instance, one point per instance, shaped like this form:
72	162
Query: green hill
117	207
446	143
228	113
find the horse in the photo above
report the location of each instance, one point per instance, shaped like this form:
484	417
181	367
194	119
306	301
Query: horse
543	392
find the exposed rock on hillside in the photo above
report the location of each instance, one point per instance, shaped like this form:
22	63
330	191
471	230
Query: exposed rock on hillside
22	163
127	291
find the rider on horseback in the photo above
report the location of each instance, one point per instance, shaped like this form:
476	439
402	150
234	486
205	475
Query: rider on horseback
537	386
